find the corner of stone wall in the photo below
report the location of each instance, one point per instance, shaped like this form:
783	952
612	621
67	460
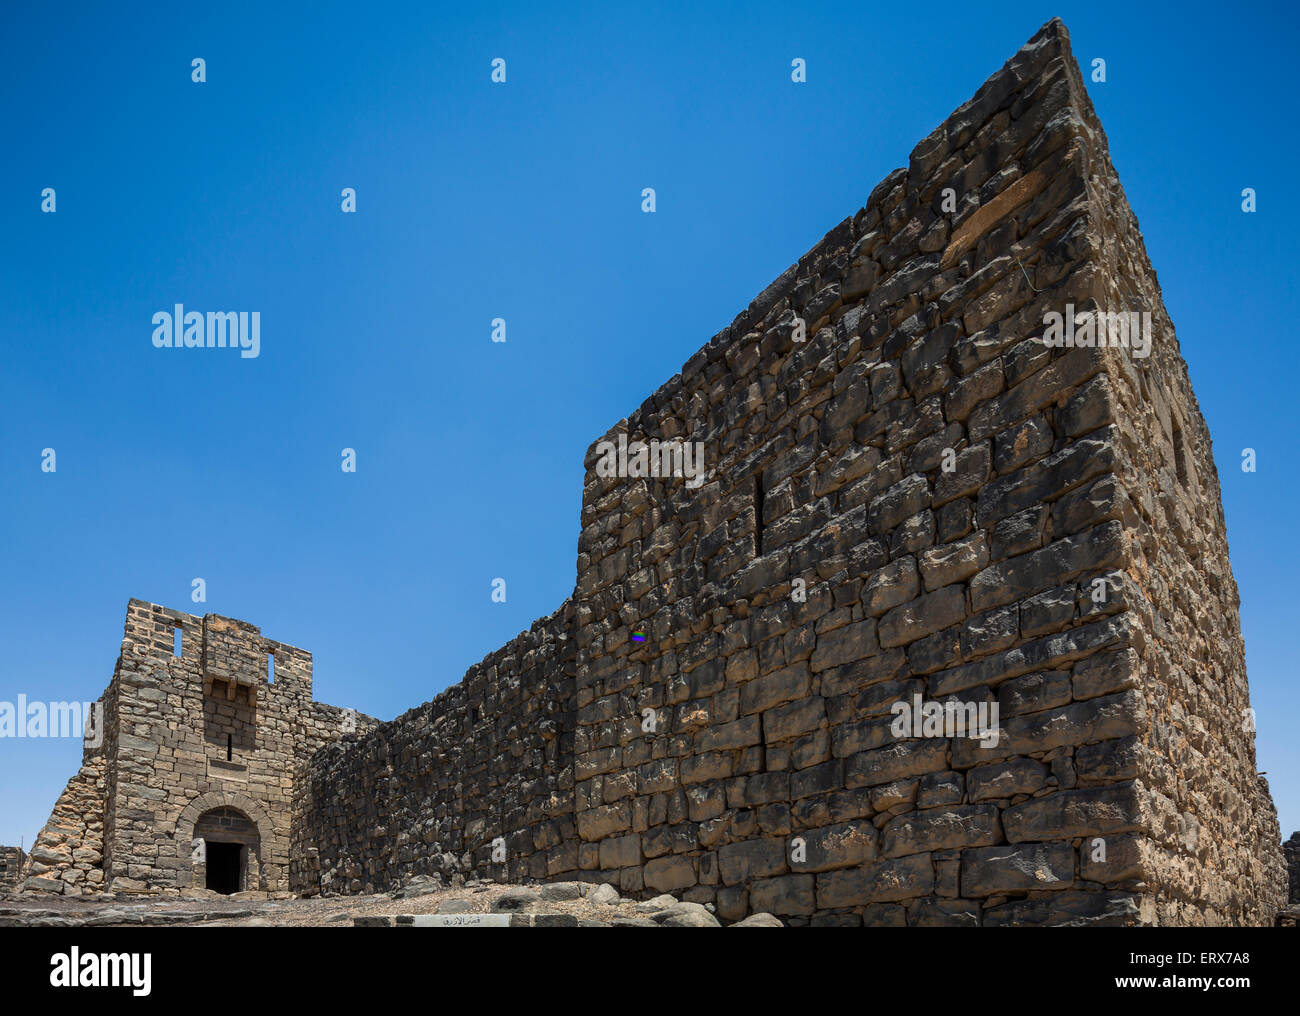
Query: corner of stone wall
1210	849
67	857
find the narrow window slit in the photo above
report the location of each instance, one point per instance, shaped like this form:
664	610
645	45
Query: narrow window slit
1180	455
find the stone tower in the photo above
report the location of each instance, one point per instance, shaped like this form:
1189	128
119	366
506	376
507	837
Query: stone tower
204	725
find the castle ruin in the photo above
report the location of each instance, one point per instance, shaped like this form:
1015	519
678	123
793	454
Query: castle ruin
913	494
205	724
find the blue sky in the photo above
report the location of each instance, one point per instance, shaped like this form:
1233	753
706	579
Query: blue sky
519	201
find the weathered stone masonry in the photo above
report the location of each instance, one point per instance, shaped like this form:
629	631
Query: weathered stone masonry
12	860
1069	565
915	495
198	749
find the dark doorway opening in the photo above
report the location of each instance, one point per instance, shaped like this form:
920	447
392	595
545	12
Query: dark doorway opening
223	867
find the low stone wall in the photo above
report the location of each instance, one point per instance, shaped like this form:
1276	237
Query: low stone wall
483	771
12	862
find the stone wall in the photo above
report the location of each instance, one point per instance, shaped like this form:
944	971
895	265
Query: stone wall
428	793
909	493
1291	854
12	861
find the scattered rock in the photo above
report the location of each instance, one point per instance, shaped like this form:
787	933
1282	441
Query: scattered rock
516	901
604	895
420	885
685	915
658	903
554	921
556	892
759	921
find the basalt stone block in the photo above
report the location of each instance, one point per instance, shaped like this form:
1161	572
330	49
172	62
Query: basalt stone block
853	463
1070	909
669	874
1047	611
1051	651
852	642
889	796
601	821
894	584
1006	779
903	499
937	913
1105	674
1019	533
794	719
1114	859
903	878
1069	814
938	789
817	779
990	632
1099	547
1091	407
970	470
1100	719
1033	693
860	674
733	903
843	411
923	616
941	829
896	761
738	734
1109	761
620	851
1071	368
1030	866
760	858
1026	441
787	895
954	562
839	846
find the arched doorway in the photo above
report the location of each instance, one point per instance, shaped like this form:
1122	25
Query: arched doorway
260	865
225	845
